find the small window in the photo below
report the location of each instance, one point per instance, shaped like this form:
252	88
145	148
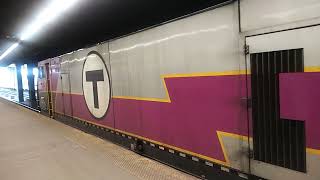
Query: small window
41	72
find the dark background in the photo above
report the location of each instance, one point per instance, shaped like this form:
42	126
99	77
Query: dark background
87	23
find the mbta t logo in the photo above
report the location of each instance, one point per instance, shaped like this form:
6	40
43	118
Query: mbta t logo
96	85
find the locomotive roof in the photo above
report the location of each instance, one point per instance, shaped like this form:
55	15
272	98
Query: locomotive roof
85	25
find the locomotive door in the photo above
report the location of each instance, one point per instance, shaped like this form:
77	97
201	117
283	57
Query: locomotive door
275	140
66	95
49	91
283	115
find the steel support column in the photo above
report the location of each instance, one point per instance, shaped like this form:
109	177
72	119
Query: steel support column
31	85
19	83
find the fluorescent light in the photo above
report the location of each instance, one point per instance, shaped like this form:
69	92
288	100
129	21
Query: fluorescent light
9	50
12	65
47	15
54	9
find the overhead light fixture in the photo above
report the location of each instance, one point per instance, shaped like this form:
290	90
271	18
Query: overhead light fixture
54	9
9	50
47	15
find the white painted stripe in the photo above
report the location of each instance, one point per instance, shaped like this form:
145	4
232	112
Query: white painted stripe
225	169
209	163
195	159
182	155
243	176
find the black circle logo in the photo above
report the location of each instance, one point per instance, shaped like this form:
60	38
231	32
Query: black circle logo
96	85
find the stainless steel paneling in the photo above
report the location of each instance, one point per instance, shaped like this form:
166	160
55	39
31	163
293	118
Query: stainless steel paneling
206	42
306	38
73	63
257	14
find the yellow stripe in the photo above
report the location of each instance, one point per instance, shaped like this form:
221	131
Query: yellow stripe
56	92
167	99
164	100
142	99
236	136
313	151
176	148
157	142
312	69
219	133
205	74
245	138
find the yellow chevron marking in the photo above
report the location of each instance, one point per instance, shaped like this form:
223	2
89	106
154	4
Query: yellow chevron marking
245	138
157	142
312	69
204	74
235	136
177	148
220	134
223	73
313	151
167	99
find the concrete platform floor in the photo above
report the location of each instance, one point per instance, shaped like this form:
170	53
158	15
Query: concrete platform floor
34	147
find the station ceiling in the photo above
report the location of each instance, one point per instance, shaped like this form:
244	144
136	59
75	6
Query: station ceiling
88	23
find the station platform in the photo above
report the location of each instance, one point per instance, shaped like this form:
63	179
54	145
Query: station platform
12	95
35	147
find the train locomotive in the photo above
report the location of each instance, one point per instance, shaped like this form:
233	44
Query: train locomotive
231	92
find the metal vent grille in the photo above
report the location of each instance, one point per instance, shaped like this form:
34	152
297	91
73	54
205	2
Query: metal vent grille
276	141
